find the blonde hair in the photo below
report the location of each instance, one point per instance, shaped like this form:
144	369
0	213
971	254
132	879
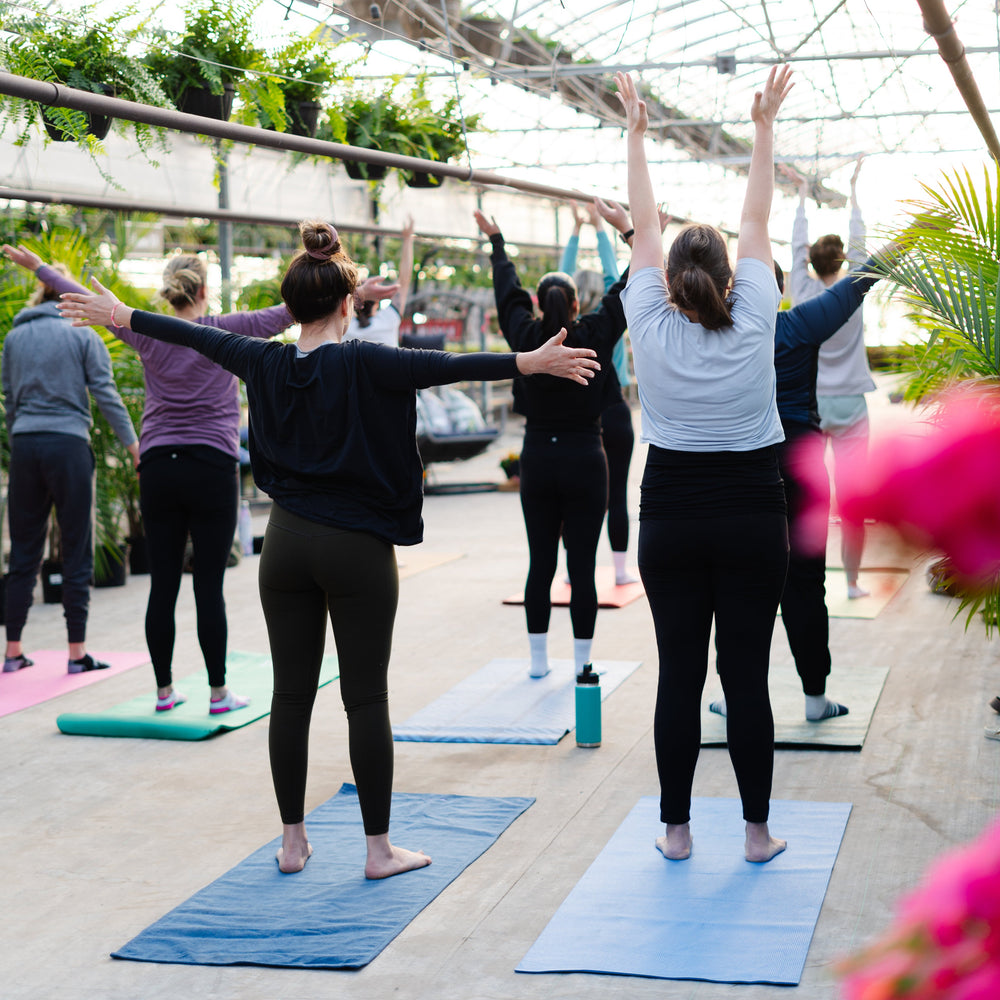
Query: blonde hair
183	278
46	293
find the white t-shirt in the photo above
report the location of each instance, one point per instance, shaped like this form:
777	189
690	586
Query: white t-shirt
705	390
383	329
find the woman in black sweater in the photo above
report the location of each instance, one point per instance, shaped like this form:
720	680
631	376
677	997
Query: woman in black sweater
564	471
333	442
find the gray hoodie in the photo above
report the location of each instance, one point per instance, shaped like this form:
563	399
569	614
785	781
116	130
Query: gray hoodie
48	367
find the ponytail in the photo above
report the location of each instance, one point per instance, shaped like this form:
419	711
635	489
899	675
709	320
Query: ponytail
699	275
556	296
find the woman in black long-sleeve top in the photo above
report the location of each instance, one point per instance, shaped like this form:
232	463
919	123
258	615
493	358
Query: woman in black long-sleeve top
564	471
333	442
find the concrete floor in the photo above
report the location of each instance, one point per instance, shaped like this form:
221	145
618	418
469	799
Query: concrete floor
101	837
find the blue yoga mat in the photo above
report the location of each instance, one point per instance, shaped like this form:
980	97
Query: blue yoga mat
500	703
714	917
328	916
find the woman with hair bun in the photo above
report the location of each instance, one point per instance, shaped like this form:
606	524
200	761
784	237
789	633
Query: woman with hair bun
333	442
564	471
713	538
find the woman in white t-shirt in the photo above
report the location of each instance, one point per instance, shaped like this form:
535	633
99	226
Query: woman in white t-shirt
381	326
713	538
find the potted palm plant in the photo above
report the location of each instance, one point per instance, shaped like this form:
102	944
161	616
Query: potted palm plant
86	53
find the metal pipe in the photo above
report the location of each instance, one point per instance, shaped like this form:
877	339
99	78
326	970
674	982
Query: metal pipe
56	95
221	215
939	25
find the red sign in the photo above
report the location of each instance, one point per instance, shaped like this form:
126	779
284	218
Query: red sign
453	329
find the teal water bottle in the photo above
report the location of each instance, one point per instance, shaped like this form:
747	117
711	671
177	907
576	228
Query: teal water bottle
588	708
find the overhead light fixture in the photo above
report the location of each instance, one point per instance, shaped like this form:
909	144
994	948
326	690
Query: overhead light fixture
726	63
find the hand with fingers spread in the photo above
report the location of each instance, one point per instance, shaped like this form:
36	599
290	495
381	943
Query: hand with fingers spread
23	257
766	102
614	214
488	227
97	308
665	217
578	217
373	289
636	119
553	358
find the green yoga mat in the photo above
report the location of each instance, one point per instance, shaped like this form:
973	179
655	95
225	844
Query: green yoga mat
246	673
858	686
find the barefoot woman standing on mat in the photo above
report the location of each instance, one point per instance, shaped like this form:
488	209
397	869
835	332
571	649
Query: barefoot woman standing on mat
333	442
713	540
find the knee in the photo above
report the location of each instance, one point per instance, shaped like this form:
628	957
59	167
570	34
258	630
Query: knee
360	705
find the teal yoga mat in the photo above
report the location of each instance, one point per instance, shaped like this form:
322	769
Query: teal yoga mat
714	917
328	916
246	674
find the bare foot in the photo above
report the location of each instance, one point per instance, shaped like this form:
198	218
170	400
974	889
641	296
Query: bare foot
676	845
295	848
386	860
760	845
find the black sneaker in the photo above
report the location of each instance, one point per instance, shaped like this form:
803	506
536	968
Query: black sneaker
85	663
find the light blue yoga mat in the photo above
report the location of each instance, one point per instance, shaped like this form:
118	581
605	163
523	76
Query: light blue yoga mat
500	703
714	917
328	916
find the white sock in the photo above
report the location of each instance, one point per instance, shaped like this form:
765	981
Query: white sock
719	707
622	575
581	652
538	643
819	707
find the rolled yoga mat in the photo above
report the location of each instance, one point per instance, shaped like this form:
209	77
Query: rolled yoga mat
714	917
328	916
48	678
246	674
500	703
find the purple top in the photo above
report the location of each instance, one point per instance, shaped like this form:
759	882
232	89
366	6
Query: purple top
189	399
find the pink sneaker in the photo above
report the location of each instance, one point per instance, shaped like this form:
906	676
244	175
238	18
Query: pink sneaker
229	702
172	700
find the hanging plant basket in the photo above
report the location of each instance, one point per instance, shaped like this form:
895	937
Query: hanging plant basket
97	125
201	101
419	179
365	171
304	118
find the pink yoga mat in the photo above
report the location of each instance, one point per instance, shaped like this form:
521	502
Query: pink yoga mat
48	677
608	594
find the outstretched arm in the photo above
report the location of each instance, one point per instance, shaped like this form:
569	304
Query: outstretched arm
647	245
754	240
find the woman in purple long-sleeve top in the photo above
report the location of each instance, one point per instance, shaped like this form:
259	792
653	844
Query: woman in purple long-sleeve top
189	465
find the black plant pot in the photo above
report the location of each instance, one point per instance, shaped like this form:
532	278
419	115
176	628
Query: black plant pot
365	171
138	555
52	581
201	101
112	573
304	118
97	125
418	179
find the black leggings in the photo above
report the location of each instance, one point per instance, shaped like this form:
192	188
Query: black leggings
307	571
619	440
803	602
46	470
182	491
731	568
564	491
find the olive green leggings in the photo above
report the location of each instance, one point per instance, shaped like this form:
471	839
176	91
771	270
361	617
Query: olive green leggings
309	570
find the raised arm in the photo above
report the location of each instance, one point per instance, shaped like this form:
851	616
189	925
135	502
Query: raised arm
799	278
567	263
647	243
405	267
754	240
514	307
855	252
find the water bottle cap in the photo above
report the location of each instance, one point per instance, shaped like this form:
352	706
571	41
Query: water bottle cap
588	676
